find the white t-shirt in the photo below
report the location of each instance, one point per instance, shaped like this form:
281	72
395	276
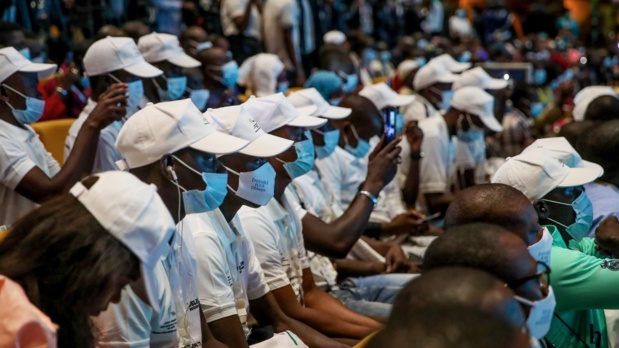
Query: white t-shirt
20	151
276	233
76	126
437	165
459	26
231	9
229	275
133	323
277	16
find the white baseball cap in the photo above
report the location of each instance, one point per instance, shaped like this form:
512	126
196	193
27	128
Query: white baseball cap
406	67
478	102
381	95
311	96
157	47
11	61
334	37
583	99
537	172
115	53
133	213
164	128
237	121
431	74
562	150
275	111
449	63
478	77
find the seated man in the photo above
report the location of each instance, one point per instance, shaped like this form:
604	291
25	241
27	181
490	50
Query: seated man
219	76
275	230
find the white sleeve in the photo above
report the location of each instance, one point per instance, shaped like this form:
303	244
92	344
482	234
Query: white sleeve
257	285
14	162
264	236
214	279
433	177
415	111
52	164
286	14
233	8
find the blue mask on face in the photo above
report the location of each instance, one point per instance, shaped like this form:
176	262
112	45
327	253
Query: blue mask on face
536	109
540	77
25	52
385	56
305	158
282	87
331	139
200	97
196	201
446	99
421	61
335	101
461	13
369	55
176	87
473	134
363	146
229	72
135	91
32	113
352	81
85	82
584	216
465	57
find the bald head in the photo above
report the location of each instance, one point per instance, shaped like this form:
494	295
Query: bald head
497	204
458	286
573	131
212	56
604	108
136	29
110	30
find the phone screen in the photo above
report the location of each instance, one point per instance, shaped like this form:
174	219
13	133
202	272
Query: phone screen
390	116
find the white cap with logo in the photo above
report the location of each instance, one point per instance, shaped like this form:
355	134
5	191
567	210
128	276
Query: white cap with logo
164	128
311	96
430	74
537	172
11	61
562	150
478	77
583	99
381	95
156	47
477	102
237	121
116	53
133	213
334	37
275	111
449	63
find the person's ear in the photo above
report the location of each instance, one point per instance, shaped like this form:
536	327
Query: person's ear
3	94
168	168
542	210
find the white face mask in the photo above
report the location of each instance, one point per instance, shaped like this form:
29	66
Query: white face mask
540	315
541	250
257	186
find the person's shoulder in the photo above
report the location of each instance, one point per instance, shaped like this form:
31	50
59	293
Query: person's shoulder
200	224
433	126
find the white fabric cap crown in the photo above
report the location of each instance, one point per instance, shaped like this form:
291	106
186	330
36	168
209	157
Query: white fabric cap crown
475	101
311	96
381	95
583	99
275	111
537	172
157	47
334	37
237	121
133	213
449	63
430	74
164	128
406	67
11	61
478	77
260	73
562	150
115	53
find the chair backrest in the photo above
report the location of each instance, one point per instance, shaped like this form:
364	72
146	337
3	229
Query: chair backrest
293	89
378	80
53	134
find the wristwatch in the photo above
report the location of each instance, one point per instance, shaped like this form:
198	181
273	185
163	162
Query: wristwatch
62	91
416	156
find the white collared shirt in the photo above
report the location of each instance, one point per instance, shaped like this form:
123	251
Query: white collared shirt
229	275
20	151
275	231
231	9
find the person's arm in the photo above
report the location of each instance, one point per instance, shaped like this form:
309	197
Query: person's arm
337	238
438	202
38	187
229	331
208	340
241	22
347	268
266	310
290	51
414	137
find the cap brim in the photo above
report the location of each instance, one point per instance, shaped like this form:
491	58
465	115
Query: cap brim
402	100
460	67
448	78
496	84
267	145
307	122
491	122
336	113
150	285
185	61
306	110
42	70
587	164
219	144
143	70
580	176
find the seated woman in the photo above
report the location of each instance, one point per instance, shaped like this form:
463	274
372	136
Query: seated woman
263	75
74	254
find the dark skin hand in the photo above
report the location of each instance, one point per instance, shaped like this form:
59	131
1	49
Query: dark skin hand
414	136
607	237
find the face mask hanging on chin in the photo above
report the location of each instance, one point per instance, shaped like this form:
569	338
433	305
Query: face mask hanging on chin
363	146
584	216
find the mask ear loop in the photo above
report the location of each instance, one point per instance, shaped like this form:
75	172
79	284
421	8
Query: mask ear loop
235	173
354	132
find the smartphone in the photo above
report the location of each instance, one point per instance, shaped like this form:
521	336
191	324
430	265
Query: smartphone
430	217
390	116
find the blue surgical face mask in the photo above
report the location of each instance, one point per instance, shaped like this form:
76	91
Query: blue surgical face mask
335	101
446	99
385	56
282	87
584	216
421	61
540	77
200	97
135	91
25	52
229	72
465	57
363	146
305	158
369	55
461	13
32	113
85	82
176	87
196	201
331	139
352	81
536	109
473	134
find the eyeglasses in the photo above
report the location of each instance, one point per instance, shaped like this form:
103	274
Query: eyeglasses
543	274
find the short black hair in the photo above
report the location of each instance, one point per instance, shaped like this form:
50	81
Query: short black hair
6	29
600	144
449	326
604	108
574	130
335	58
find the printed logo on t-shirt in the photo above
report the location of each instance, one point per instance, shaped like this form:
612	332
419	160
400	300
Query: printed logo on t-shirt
241	267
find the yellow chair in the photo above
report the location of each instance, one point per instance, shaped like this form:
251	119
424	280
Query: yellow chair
293	89
243	97
378	80
53	134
